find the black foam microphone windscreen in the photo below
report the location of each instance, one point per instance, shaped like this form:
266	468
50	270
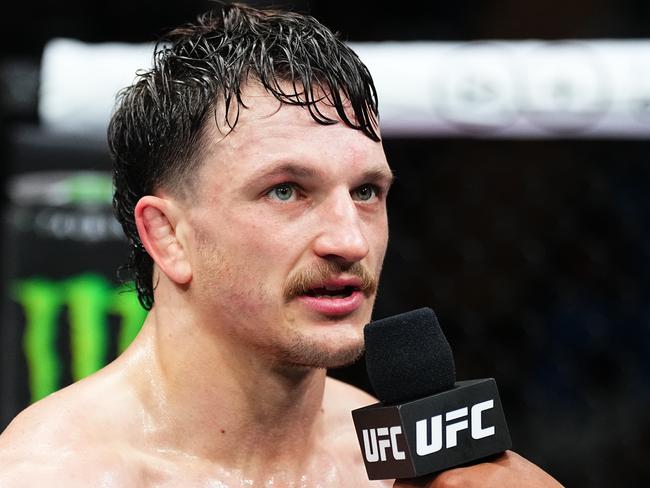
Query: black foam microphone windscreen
408	356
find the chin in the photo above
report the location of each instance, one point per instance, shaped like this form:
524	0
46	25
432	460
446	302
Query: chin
323	352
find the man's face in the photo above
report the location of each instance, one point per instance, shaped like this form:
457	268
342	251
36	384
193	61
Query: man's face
289	233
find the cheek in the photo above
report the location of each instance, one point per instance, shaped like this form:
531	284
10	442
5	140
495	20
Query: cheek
228	285
244	264
377	235
273	242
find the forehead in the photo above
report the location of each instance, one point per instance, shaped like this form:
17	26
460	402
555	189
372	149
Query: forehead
270	132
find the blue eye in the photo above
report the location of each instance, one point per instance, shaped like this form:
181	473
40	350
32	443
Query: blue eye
282	192
365	193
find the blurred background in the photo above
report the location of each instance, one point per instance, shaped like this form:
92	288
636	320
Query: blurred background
520	214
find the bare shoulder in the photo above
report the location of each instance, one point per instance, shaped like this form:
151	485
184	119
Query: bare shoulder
64	437
82	413
346	397
44	447
47	424
338	402
71	467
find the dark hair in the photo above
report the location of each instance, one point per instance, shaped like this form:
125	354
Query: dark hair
155	134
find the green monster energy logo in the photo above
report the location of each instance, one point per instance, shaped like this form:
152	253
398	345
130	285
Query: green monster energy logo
90	299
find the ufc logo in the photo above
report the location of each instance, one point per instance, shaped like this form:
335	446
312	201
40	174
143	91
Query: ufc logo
452	427
376	442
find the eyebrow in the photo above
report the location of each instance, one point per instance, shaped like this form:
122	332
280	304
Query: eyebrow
380	174
297	170
294	170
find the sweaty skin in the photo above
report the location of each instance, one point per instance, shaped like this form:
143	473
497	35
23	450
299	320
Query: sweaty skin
225	385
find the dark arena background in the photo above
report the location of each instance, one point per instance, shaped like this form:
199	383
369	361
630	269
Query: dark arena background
520	214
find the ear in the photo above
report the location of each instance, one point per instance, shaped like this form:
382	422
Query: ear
156	219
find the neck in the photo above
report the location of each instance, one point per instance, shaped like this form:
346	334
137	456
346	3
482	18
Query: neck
211	399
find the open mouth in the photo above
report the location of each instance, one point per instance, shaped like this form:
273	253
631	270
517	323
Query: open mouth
334	299
331	292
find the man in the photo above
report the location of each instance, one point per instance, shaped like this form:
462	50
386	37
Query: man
251	182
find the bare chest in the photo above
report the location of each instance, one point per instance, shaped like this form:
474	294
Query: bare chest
323	471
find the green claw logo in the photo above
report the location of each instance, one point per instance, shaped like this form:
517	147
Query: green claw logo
90	300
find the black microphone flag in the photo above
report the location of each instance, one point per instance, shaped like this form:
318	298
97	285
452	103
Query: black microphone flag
425	422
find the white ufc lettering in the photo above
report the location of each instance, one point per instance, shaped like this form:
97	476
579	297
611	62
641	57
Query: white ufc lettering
429	440
376	443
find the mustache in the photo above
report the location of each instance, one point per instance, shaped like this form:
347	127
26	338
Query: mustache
315	276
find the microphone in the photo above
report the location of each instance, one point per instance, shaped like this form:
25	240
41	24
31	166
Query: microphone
425	422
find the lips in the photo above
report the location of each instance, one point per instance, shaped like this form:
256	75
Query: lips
335	297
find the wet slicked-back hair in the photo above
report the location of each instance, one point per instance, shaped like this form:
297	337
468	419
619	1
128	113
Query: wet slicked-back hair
156	133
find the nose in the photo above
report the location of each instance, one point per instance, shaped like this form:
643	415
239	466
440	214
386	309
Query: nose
341	237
